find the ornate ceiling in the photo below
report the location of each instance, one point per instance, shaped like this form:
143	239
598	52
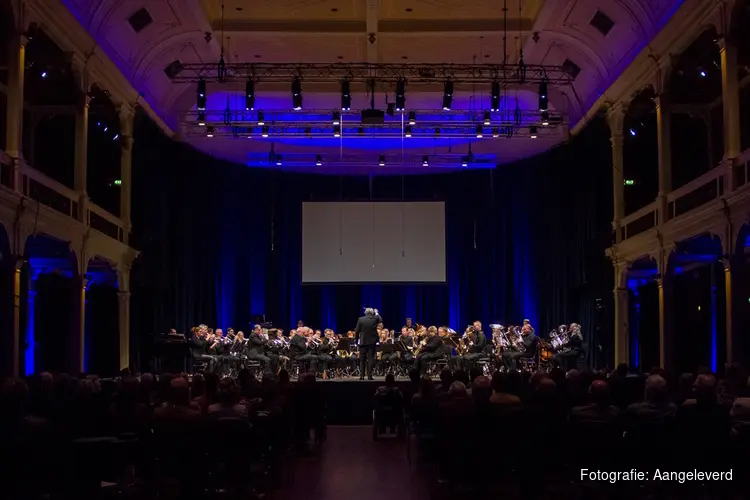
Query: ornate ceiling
597	39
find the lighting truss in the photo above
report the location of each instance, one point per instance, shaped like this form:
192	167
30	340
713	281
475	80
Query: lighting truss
397	161
364	72
425	119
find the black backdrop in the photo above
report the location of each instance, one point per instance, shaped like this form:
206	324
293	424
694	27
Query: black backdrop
221	243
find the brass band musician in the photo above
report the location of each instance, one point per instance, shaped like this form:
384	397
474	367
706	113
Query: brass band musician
572	348
523	349
476	343
430	349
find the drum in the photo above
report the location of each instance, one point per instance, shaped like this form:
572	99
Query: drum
545	353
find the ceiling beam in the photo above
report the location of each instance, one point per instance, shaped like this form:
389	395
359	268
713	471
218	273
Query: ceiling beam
373	15
373	24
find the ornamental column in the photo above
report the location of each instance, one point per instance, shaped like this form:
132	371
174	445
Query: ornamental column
81	141
616	120
123	299
664	140
78	328
730	97
126	161
622	315
14	106
728	308
17	317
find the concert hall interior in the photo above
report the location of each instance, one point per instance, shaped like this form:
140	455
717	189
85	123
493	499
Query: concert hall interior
538	186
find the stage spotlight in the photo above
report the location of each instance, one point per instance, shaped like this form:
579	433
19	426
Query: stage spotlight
117	136
200	98
337	130
209	132
249	95
543	98
633	132
532	132
278	160
201	119
336	118
318	160
346	96
495	132
425	161
487	118
464	161
407	131
479	132
264	131
412	118
44	74
495	96
447	95
296	94
381	160
545	118
261	119
400	94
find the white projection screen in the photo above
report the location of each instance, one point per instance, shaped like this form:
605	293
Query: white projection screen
373	242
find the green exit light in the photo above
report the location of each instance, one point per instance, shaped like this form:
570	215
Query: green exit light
118	182
629	182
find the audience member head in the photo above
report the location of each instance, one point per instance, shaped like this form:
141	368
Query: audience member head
500	382
481	389
621	370
426	387
446	377
573	376
599	392
390	380
414	375
536	379
129	390
228	393
14	397
179	392
705	388
735	375
462	376
656	389
474	373
658	370
457	390
212	385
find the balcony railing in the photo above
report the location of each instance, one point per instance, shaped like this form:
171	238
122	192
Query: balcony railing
696	193
62	199
639	221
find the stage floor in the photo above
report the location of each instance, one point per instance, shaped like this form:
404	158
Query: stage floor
350	401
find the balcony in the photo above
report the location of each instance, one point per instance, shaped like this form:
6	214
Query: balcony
696	207
59	207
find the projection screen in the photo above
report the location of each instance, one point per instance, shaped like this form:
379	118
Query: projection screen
373	242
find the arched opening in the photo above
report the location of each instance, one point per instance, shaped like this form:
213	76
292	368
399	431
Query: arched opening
103	172
643	314
641	152
102	339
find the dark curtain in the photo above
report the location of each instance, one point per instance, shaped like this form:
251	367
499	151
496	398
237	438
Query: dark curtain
53	315
102	334
221	243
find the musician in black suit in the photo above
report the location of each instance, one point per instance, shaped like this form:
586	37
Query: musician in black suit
199	348
477	341
510	358
572	349
367	338
256	349
325	351
431	350
407	344
298	348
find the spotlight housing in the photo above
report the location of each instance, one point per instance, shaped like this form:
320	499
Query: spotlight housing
336	118
200	98
318	160
412	118
407	131
346	96
261	119
201	119
495	132
296	94
464	161
425	161
337	130
495	96
381	160
400	94
209	131
487	118
264	131
543	97
545	118
249	95
532	132
479	132
278	160
447	95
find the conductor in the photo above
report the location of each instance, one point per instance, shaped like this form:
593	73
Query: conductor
367	337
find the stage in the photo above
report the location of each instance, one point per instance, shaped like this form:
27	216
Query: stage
350	401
